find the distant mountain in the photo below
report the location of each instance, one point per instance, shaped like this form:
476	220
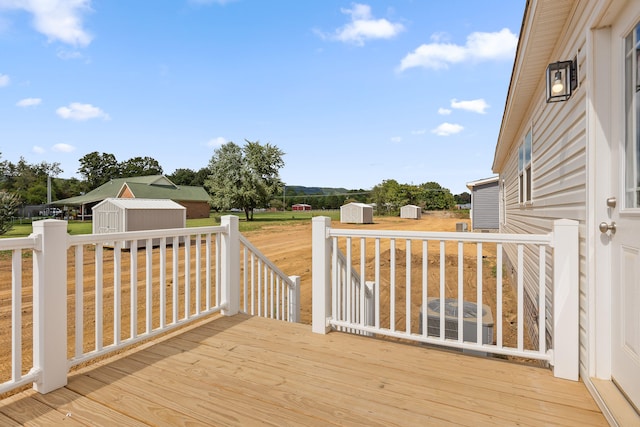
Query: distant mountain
299	190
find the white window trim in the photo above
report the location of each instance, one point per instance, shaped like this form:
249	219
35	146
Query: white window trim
525	175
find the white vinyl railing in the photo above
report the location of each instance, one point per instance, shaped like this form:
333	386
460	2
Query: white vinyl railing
162	280
356	299
267	291
415	273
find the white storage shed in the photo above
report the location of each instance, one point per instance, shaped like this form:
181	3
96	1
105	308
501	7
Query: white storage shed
356	213
114	215
411	212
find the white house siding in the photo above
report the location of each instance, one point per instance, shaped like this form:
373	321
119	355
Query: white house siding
559	183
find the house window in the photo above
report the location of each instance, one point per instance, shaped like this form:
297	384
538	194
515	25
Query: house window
524	170
632	120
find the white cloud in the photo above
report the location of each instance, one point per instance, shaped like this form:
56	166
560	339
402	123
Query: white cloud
479	47
475	105
444	111
4	80
80	112
363	26
59	20
446	129
396	139
68	54
418	132
217	142
29	102
38	150
64	148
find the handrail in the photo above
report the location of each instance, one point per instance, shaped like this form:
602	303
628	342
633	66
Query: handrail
266	261
13	243
175	276
443	235
551	298
142	235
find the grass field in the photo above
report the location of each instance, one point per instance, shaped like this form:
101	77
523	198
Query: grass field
23	227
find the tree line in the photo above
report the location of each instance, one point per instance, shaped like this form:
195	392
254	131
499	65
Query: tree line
244	177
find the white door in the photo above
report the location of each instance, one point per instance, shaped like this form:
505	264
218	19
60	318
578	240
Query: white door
625	241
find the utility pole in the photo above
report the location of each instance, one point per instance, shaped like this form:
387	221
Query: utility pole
48	189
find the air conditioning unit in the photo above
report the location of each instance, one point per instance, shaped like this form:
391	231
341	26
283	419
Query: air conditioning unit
461	226
470	317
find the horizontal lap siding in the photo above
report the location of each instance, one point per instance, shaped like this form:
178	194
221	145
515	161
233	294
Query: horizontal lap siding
558	191
196	209
485	206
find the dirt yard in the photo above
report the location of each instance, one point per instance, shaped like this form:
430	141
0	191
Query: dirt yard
289	247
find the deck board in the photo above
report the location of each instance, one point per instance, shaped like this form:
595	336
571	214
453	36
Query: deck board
243	370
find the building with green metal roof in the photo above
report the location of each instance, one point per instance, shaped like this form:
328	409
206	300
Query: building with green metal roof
195	199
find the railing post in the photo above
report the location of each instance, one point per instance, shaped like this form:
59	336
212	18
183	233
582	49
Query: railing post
321	274
230	266
368	312
50	305
369	303
294	300
566	346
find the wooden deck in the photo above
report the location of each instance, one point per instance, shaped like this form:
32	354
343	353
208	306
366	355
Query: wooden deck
244	370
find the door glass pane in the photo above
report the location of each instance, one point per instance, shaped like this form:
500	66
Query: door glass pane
632	120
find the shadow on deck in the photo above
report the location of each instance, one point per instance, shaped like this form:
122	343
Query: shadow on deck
245	370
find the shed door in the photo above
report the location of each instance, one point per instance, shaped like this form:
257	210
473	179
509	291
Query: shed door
625	241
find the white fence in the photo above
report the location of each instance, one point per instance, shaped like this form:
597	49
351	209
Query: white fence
411	282
124	296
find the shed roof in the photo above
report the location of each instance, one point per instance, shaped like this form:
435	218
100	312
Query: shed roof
142	204
360	205
149	187
482	181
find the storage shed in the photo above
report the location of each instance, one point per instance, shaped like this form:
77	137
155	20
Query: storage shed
411	212
118	215
485	201
356	213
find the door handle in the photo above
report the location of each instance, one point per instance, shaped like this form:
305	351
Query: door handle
604	227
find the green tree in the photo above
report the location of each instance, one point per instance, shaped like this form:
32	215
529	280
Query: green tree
182	176
436	197
244	177
462	198
334	201
27	181
185	176
8	204
98	169
65	188
140	166
388	197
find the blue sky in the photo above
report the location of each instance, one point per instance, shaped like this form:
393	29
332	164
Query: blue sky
353	93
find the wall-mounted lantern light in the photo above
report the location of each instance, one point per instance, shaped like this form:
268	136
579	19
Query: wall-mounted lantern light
562	80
